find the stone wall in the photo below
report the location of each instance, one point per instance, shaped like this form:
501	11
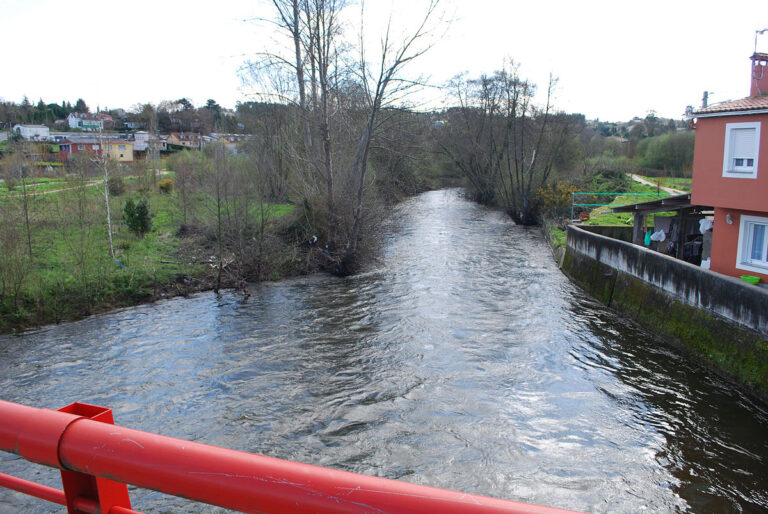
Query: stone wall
722	320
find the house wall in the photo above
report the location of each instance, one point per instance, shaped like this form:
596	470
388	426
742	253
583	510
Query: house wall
719	319
65	150
725	242
114	152
709	185
87	147
32	132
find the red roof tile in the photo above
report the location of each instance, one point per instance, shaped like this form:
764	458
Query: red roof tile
745	104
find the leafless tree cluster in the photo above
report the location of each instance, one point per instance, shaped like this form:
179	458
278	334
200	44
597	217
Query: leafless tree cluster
343	96
505	144
229	199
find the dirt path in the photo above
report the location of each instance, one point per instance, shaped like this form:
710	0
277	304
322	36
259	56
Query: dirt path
669	190
38	193
87	184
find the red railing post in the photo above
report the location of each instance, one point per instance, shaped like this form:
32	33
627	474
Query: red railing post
78	486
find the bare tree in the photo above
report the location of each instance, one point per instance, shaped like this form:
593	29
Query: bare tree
382	84
341	112
505	145
19	169
102	161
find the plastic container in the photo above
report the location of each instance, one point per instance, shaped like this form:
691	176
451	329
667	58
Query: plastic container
749	279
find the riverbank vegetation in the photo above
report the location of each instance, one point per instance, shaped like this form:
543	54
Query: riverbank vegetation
328	142
519	153
198	219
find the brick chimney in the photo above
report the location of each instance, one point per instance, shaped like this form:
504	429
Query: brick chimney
759	81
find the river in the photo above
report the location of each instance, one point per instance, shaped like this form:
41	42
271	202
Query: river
462	359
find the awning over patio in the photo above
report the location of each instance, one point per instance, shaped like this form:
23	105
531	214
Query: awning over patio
685	222
669	203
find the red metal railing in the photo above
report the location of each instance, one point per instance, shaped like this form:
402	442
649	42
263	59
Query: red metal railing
81	440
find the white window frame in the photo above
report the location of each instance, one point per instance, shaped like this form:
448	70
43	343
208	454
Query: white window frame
744	260
742	172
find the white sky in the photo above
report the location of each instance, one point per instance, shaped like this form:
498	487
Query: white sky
615	60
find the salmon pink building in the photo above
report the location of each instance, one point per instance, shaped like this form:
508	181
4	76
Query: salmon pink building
730	172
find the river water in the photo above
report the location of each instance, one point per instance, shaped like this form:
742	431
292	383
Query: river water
463	359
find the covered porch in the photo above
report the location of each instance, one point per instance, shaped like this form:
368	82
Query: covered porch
680	234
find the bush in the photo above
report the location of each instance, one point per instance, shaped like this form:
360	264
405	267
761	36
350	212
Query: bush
555	199
165	185
116	186
137	216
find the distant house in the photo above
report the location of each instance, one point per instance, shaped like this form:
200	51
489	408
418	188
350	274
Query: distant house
142	141
32	132
133	124
185	139
68	148
119	150
107	122
730	172
84	121
230	141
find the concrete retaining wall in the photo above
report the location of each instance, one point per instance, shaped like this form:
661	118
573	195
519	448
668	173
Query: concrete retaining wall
723	320
620	232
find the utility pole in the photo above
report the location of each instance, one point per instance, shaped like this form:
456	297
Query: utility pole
104	166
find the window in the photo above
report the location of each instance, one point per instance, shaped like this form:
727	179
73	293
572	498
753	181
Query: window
81	147
741	150
121	147
752	254
95	147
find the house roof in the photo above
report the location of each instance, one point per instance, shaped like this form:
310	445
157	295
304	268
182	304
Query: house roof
83	116
80	142
185	135
752	103
668	203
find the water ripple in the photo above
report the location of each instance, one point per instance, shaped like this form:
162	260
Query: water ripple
463	360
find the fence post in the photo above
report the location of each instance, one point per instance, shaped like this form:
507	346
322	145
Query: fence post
102	492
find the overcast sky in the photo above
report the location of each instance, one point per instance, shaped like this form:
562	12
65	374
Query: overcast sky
614	60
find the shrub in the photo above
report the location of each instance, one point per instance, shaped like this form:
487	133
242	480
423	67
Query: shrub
165	185
137	216
554	200
116	185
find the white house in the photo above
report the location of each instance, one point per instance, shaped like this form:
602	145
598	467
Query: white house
32	132
84	121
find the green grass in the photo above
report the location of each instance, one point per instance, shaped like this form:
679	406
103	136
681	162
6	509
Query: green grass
559	236
37	185
683	184
72	272
603	215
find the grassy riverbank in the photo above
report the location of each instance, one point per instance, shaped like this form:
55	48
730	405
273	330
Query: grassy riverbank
56	263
